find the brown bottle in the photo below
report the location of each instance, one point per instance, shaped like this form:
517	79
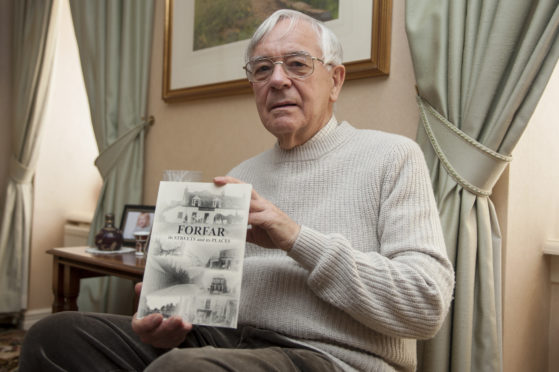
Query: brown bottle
109	238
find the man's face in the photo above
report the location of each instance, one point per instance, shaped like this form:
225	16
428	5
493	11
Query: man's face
293	109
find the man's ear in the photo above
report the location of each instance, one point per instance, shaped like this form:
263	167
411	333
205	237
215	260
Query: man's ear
338	78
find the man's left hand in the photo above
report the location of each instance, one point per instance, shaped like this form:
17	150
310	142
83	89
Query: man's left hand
270	226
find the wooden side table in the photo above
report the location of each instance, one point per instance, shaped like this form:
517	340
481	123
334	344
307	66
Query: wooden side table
70	264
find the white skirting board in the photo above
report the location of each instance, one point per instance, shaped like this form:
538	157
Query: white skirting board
33	316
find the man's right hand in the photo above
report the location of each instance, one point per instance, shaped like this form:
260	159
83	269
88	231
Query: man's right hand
158	332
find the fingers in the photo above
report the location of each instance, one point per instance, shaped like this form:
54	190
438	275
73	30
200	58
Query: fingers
223	180
147	324
138	288
272	228
257	205
159	332
265	214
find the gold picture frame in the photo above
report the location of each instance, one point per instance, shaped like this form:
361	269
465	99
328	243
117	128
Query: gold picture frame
369	63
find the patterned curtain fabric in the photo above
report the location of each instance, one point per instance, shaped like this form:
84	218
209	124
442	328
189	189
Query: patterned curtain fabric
34	31
114	42
481	67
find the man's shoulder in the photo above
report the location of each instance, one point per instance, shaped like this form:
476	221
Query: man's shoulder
385	140
381	135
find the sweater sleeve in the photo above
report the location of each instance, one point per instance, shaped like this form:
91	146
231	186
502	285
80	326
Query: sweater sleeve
403	290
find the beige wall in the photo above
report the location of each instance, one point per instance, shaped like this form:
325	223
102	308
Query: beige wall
213	135
533	218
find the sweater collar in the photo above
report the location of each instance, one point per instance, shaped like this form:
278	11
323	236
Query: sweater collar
325	140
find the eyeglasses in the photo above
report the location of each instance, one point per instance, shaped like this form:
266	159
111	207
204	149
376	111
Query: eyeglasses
297	65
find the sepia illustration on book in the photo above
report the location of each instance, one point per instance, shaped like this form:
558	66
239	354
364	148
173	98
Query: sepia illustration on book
195	254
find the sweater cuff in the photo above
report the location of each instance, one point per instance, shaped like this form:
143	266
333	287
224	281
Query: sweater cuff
308	247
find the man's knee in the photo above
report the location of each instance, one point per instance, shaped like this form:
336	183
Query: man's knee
267	359
47	330
44	337
71	340
195	359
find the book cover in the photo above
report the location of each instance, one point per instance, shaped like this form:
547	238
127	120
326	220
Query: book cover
196	250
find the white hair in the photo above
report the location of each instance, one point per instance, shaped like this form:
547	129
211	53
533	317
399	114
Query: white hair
329	44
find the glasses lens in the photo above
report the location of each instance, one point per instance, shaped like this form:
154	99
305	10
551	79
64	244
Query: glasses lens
260	69
298	65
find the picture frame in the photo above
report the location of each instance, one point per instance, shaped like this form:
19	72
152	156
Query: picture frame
135	218
364	28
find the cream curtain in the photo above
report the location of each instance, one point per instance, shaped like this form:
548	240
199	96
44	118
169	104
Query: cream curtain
34	31
114	42
481	67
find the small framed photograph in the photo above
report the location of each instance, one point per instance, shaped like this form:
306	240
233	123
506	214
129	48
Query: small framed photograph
135	218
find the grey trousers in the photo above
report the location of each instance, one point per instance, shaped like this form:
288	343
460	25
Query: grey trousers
74	341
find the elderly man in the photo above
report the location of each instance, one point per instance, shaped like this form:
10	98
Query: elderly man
345	263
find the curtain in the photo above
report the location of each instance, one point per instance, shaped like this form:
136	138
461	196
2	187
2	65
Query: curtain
481	67
114	42
34	39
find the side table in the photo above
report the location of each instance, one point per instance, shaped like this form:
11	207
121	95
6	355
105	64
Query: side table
70	264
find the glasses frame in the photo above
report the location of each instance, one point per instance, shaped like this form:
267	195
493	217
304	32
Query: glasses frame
280	60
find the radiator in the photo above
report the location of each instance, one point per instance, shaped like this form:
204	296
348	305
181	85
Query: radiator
76	231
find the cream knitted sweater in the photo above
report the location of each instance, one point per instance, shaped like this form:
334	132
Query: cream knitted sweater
368	273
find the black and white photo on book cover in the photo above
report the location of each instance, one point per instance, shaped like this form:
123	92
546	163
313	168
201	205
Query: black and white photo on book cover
194	262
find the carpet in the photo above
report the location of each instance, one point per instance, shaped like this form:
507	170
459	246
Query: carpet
10	344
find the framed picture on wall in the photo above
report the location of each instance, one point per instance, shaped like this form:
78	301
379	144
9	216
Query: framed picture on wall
135	218
204	44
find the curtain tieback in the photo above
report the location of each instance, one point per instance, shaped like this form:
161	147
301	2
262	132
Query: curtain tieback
108	158
20	173
474	166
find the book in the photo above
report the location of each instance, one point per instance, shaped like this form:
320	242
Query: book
195	253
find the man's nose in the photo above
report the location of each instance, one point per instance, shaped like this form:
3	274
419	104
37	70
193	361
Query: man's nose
279	77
